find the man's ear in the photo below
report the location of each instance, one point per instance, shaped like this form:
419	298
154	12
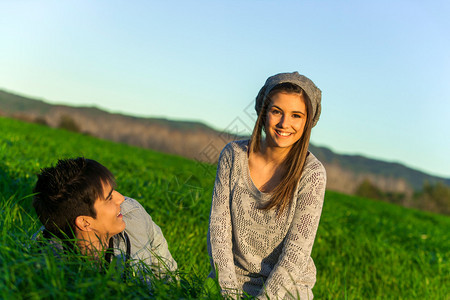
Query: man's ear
83	223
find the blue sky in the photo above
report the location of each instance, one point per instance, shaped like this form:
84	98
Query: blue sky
383	66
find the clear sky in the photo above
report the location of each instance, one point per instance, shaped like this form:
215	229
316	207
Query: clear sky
383	66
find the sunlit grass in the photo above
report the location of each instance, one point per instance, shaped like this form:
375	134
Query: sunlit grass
364	249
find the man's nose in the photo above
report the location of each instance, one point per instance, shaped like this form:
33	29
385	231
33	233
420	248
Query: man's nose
120	197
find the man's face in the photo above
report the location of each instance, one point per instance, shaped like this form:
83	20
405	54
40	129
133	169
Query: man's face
109	220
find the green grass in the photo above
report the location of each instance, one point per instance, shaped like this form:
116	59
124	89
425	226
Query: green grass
364	249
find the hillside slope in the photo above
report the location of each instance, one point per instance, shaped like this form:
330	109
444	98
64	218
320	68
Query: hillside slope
364	249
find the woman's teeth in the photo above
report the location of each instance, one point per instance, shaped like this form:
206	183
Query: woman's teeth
284	133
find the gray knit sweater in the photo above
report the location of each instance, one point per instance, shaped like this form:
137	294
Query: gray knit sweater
254	250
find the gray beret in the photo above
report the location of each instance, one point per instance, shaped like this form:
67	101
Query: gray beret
313	92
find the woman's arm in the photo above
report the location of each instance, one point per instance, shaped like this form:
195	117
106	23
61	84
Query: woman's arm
220	227
300	237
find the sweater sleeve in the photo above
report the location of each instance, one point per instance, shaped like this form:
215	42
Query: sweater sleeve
220	228
299	240
148	244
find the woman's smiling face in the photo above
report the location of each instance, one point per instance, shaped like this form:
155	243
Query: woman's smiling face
285	120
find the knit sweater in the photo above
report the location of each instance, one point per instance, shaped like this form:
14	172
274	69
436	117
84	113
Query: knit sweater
255	250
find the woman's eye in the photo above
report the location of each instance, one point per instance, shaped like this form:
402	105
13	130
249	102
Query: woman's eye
276	112
296	116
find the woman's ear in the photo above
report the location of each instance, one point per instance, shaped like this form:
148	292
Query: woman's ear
83	223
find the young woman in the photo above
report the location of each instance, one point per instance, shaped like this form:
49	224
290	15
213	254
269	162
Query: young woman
268	197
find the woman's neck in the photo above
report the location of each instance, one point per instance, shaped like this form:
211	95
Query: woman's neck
273	155
266	167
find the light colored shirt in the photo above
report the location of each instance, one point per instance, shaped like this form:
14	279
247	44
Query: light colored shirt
148	244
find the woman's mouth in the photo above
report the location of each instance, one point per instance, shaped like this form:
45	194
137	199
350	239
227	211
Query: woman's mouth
283	134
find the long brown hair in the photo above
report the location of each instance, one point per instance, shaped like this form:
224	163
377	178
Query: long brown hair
295	160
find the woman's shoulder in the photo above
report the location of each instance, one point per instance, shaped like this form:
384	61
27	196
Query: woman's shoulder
313	175
239	145
235	148
313	165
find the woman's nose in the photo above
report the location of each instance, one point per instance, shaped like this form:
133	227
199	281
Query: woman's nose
284	122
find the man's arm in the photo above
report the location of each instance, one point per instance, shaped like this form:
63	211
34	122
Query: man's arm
146	238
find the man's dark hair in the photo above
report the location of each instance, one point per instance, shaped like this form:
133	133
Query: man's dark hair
69	190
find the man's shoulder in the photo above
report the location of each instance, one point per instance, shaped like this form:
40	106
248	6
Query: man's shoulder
129	205
136	217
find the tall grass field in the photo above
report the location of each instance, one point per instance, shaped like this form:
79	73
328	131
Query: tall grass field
364	249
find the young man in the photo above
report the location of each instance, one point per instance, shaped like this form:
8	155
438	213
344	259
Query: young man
76	201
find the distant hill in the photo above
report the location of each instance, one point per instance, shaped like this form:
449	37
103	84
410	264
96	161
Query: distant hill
388	176
197	141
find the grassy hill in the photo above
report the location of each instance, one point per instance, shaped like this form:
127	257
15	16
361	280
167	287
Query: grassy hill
364	248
